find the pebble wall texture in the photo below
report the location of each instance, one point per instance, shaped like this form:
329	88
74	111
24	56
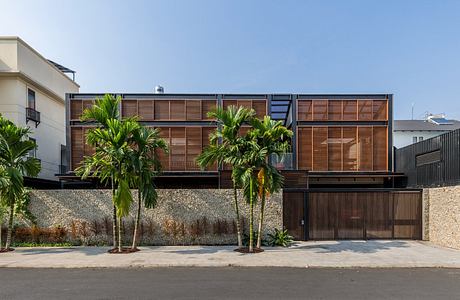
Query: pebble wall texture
443	222
181	217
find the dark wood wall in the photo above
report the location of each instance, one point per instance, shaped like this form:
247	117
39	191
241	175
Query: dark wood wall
354	215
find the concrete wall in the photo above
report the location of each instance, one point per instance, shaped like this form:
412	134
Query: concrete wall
442	216
23	68
175	207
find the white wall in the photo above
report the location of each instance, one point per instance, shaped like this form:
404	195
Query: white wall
405	138
22	68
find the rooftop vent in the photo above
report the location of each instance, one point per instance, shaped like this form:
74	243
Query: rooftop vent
159	89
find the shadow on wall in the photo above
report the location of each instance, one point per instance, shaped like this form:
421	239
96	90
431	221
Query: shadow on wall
354	246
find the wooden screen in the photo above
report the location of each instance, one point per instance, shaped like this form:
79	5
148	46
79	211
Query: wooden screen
342	110
347	148
350	215
320	155
379	214
260	106
304	143
177	110
80	148
145	111
185	144
129	108
380	144
161	110
207	106
76	109
334	149
193	110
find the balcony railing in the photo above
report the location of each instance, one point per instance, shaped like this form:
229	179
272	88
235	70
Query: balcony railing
282	162
32	115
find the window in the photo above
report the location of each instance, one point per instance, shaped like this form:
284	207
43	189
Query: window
33	152
420	138
414	139
30	99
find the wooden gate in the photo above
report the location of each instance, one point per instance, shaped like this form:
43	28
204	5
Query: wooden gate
328	215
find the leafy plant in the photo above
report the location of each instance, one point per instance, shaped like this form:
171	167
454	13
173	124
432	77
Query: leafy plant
280	238
246	239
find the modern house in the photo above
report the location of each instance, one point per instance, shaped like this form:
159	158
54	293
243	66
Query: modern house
32	93
339	179
407	132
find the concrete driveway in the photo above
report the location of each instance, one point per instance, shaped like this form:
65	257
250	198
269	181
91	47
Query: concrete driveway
368	254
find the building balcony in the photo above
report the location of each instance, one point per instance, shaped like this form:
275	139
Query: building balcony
32	115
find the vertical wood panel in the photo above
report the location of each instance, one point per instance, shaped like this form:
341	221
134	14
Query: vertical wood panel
207	106
380	151
380	110
193	110
320	110
129	108
334	149
177	108
305	110
77	146
304	146
161	109
76	109
177	149
293	214
365	148
146	110
350	112
335	110
320	149
260	106
350	151
194	147
365	110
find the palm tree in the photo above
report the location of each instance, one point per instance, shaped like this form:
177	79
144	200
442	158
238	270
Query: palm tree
16	163
224	148
274	137
104	109
147	143
111	160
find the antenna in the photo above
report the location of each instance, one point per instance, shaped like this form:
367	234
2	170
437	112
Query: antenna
413	104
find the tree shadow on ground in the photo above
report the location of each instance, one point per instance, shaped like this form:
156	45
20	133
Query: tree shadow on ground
353	246
89	251
203	250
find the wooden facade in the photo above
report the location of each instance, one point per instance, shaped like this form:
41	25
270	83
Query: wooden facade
334	134
182	119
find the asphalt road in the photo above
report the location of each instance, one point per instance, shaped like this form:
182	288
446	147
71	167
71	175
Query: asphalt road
229	283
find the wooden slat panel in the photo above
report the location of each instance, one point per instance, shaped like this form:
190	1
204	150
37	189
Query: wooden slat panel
194	147
379	214
304	154
380	149
161	110
305	110
193	110
260	106
76	109
320	149
177	110
129	108
227	103
293	210
379	110
335	149
207	106
87	104
145	111
350	110
407	215
335	110
177	149
365	110
245	103
164	158
321	216
320	110
206	131
77	146
365	152
350	215
350	151
88	150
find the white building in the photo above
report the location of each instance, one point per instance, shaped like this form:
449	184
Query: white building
407	132
32	93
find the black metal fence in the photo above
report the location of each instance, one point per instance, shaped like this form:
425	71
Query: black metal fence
432	162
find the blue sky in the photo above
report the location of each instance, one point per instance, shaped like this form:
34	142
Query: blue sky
408	48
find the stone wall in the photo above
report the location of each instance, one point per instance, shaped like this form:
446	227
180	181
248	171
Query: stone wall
442	216
185	216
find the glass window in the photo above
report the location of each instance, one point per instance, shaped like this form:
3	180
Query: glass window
420	138
30	99
414	139
33	152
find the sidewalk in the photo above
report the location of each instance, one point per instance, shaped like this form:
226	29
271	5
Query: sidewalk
342	254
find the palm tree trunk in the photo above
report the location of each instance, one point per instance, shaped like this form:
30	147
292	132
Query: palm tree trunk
238	220
10	227
251	217
114	218
1	223
119	235
138	218
261	220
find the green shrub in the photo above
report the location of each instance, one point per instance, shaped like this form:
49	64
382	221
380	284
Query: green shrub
280	238
246	240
